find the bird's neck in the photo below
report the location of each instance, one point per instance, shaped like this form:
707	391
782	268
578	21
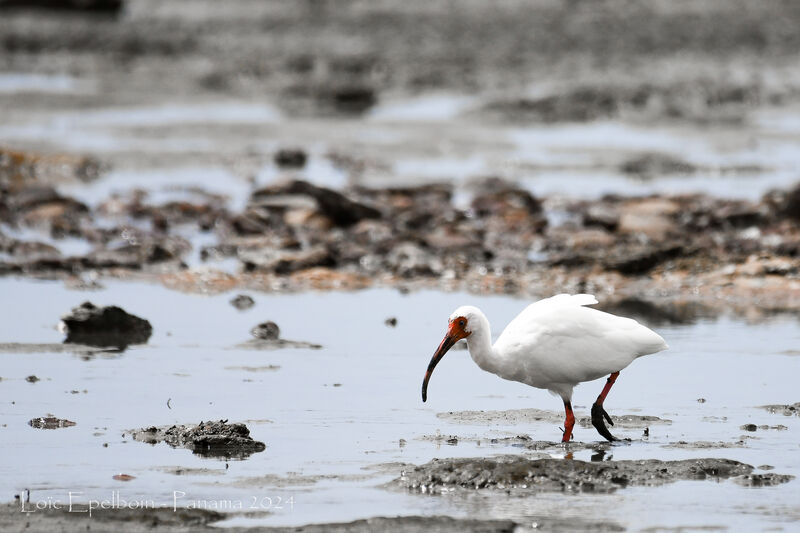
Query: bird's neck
480	347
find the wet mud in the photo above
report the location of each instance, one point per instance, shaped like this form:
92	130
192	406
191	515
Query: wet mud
209	439
167	521
520	475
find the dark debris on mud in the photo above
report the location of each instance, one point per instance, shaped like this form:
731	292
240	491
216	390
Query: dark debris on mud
517	474
209	439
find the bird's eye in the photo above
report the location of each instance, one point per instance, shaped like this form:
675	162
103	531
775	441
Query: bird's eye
462	323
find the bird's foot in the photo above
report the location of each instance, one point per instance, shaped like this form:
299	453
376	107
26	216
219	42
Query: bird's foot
598	413
566	437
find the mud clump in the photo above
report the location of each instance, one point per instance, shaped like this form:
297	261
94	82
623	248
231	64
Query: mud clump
209	439
522	475
105	326
50	422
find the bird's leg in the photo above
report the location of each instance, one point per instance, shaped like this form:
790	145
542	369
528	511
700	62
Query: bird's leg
598	413
569	423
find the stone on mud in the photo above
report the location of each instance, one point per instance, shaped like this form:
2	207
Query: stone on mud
209	439
268	331
335	205
105	326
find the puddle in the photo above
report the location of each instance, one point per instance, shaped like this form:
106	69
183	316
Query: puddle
346	417
17	82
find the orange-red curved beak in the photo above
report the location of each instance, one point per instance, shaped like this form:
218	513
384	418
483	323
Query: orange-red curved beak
454	334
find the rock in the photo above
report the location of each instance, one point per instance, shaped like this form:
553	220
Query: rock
350	100
521	475
336	206
32	379
749	427
653	164
209	439
391	321
105	326
290	158
286	262
653	217
19	170
50	422
242	302
106	6
266	331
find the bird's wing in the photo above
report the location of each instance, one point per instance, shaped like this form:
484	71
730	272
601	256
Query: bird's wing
559	340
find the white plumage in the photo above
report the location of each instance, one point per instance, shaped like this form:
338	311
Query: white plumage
553	344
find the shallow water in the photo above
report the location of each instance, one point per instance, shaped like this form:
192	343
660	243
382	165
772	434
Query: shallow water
332	418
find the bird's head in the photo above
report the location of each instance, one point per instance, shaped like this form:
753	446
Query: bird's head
461	324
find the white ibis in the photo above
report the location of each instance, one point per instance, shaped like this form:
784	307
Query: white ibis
553	344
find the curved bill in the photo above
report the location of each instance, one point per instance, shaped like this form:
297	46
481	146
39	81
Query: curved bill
447	343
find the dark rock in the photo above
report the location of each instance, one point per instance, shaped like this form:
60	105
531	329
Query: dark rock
352	100
656	164
749	427
336	206
105	326
391	321
50	422
242	302
105	6
290	158
32	379
266	331
209	439
522	475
